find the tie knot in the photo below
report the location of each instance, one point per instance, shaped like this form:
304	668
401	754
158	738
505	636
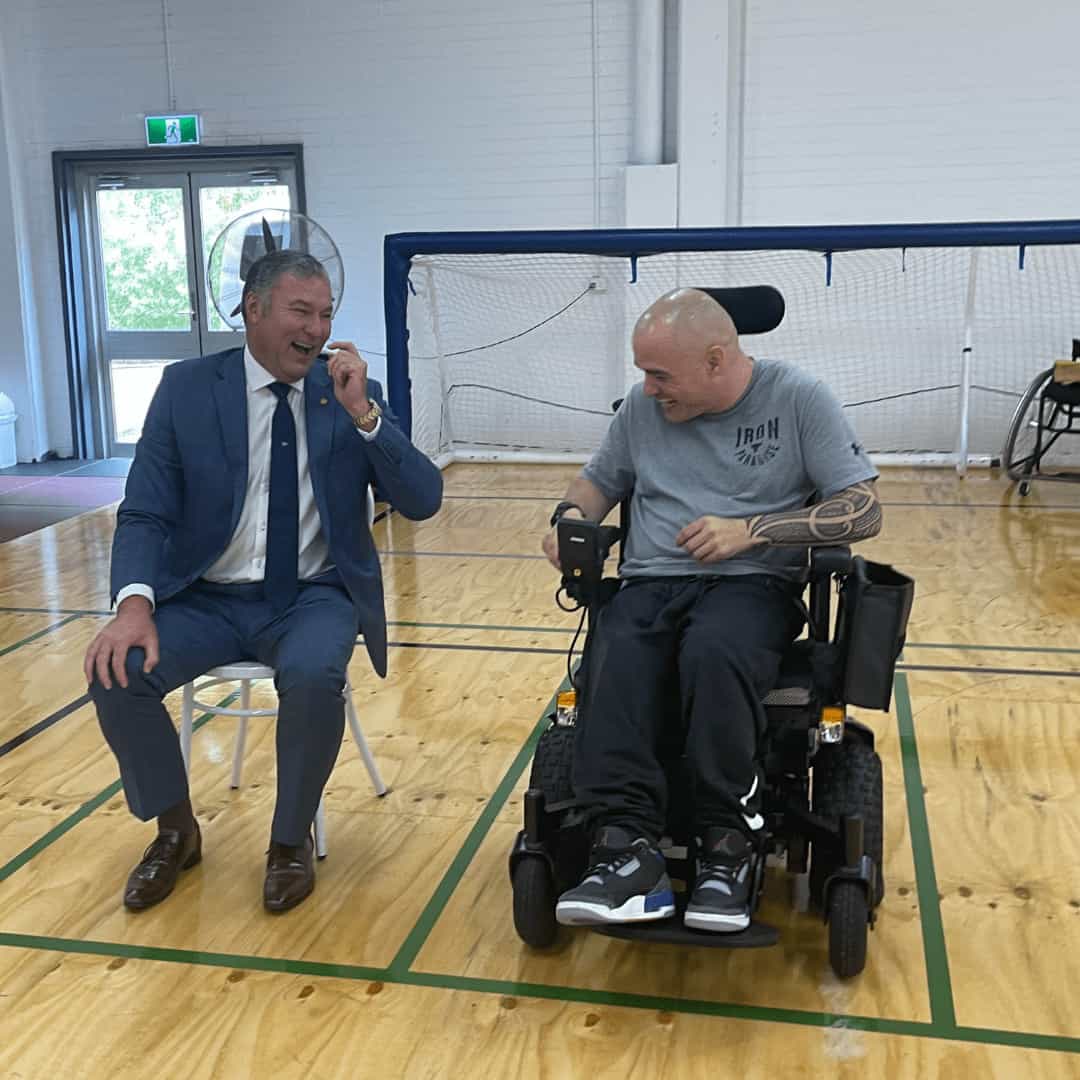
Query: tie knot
281	390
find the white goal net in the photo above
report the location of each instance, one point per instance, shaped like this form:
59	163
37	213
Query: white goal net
522	355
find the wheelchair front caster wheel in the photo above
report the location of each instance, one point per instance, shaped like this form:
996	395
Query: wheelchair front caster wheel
849	923
534	902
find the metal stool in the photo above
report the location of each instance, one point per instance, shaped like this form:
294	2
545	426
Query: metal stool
244	673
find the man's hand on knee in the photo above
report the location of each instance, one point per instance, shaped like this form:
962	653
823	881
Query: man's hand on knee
133	627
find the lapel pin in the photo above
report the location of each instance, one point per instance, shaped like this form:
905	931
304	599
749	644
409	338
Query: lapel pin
324	401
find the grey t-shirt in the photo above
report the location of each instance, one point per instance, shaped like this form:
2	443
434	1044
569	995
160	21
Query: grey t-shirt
783	440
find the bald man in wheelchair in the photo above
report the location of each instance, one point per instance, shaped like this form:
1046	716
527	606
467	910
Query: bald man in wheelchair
721	455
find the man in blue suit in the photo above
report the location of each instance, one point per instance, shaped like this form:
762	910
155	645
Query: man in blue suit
243	534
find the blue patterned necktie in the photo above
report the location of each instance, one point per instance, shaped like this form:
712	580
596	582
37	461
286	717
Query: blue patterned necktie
283	516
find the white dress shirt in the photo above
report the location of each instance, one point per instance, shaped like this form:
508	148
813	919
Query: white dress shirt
244	560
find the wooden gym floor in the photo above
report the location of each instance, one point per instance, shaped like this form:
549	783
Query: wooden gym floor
405	961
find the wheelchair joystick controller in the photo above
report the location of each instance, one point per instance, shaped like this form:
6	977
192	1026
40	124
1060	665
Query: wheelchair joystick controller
583	549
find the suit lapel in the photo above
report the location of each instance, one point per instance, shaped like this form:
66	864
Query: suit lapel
230	397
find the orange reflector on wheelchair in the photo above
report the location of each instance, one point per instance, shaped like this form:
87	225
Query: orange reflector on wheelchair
566	707
831	724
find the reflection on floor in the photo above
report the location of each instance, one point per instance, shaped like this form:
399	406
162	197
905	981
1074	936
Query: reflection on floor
33	496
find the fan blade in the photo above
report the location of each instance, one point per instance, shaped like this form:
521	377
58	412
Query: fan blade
268	236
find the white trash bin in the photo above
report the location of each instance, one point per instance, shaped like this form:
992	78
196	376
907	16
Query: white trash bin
8	457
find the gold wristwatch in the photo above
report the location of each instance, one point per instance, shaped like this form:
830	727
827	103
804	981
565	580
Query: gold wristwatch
369	417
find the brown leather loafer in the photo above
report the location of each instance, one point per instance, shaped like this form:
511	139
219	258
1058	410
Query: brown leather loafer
155	876
290	875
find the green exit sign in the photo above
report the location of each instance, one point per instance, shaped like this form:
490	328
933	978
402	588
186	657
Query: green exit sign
172	130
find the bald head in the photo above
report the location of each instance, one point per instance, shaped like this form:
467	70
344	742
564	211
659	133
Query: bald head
687	346
688	318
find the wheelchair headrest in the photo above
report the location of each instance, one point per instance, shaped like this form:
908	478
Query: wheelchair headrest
755	309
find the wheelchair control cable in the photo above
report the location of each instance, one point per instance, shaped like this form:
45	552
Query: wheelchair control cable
573	645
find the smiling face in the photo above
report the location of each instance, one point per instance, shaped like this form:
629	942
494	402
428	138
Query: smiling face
686	345
286	330
681	380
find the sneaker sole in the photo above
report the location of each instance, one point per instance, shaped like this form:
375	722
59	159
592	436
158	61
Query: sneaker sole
716	923
581	913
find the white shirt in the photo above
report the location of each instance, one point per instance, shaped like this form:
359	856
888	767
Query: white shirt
244	560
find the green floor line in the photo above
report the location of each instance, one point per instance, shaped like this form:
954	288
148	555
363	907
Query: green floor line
525	629
192	957
57	831
84	811
990	648
548	992
56	611
412	944
942	1025
942	1010
487	626
40	633
1025	672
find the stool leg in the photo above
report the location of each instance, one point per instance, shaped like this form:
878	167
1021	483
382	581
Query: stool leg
187	711
241	733
361	742
320	830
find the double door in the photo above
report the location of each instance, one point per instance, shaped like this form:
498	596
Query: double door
149	232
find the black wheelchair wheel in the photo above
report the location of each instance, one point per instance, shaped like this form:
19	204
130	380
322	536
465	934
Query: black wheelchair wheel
534	902
848	926
553	764
847	781
1018	456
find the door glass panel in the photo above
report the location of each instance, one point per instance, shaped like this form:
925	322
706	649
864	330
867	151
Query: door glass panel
133	385
144	255
217	207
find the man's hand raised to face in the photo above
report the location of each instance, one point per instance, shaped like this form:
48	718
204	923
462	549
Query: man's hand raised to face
349	369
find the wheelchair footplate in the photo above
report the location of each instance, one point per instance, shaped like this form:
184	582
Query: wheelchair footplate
757	935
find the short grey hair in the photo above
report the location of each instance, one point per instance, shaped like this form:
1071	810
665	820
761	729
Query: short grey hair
265	271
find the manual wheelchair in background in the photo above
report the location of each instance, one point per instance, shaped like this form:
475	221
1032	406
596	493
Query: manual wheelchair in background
1049	409
822	792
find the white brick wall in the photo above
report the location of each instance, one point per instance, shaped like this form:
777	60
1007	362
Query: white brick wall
920	111
434	114
440	114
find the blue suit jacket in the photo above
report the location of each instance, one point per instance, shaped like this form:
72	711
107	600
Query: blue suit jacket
189	478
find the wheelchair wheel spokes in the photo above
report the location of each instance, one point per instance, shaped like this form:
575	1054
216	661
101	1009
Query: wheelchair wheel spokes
1024	445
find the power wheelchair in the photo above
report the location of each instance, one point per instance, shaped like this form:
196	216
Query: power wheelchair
822	791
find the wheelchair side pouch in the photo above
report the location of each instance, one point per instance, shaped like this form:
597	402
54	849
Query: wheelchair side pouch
875	602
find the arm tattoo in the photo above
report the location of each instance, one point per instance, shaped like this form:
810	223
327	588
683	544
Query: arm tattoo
849	515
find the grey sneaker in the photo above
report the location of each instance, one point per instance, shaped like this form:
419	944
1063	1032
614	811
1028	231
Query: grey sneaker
626	881
721	898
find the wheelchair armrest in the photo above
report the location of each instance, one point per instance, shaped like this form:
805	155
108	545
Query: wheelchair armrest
825	561
828	560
